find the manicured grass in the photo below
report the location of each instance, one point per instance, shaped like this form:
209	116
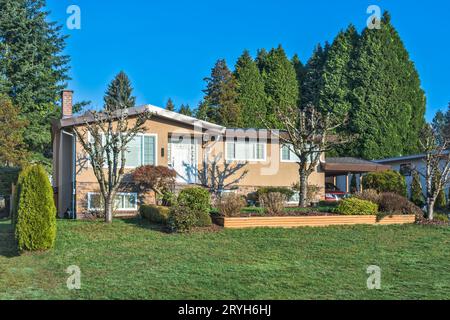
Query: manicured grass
135	260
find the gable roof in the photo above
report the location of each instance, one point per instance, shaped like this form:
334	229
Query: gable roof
155	111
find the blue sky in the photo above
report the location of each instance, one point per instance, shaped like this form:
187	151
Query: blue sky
168	47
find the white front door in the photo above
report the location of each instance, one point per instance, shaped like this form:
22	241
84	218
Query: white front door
183	159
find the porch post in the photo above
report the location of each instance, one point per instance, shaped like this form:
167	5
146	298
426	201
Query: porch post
360	183
347	184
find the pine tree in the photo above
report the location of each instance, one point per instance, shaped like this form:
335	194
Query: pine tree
201	112
389	105
221	96
250	89
417	196
119	93
185	110
169	105
33	68
281	85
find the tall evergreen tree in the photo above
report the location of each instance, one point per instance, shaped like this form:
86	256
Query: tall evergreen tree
300	70
119	93
33	68
185	110
12	147
312	80
281	84
334	92
389	105
250	89
201	112
261	59
169	105
221	96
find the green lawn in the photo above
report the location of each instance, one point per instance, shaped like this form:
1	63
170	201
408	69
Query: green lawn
134	260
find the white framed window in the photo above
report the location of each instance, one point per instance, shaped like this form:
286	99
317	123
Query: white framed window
245	151
287	154
123	202
141	151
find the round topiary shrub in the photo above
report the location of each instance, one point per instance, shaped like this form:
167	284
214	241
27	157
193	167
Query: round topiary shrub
386	181
36	211
181	219
355	207
199	201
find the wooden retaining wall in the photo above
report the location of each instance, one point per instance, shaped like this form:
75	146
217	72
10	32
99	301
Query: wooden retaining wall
318	221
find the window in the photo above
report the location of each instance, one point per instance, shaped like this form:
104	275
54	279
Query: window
123	202
140	151
288	155
246	151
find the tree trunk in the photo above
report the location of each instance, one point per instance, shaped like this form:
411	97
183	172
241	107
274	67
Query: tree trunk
108	210
303	189
430	209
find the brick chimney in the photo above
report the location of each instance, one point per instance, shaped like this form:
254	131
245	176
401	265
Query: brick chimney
67	103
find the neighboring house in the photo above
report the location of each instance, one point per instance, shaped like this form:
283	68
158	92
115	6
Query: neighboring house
405	165
176	141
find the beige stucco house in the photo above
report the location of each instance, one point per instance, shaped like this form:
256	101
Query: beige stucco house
174	140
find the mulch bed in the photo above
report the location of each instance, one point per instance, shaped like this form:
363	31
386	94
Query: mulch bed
426	222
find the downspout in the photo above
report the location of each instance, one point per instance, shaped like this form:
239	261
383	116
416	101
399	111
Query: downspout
73	172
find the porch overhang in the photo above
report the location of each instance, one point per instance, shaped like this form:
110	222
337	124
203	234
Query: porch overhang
344	166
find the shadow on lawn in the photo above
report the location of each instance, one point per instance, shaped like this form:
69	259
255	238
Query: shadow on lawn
8	245
144	224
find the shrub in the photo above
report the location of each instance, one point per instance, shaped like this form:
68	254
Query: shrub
160	179
392	203
417	196
441	217
273	202
230	205
199	201
369	195
36	211
386	181
155	214
182	218
441	201
286	192
355	206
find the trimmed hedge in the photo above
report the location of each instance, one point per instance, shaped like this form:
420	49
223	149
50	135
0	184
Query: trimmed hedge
155	214
36	212
386	181
199	201
355	206
286	192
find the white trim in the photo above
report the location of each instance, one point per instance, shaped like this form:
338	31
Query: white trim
194	144
90	194
264	144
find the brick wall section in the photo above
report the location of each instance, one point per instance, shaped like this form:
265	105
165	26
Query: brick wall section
67	103
84	188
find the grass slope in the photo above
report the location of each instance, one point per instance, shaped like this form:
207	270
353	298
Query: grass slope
134	260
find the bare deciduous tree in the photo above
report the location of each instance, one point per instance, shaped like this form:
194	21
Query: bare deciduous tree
437	165
308	134
105	136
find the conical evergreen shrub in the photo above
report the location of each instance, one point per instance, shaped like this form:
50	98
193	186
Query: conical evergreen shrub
36	211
